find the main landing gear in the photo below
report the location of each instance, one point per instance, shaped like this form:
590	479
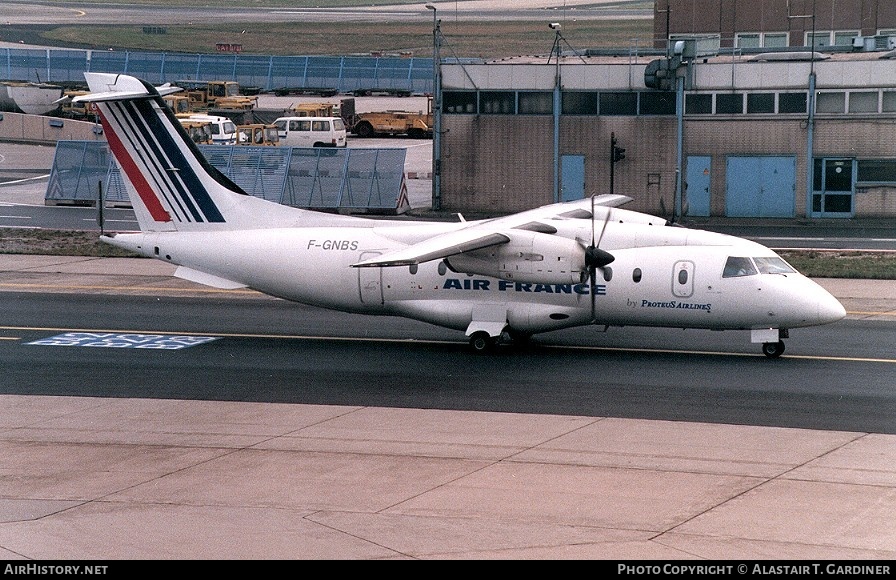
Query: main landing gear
481	342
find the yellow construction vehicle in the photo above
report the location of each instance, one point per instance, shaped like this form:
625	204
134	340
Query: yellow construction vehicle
81	110
204	95
258	135
417	125
200	131
316	110
179	103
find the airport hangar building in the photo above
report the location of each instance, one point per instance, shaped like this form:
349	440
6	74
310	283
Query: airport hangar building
761	132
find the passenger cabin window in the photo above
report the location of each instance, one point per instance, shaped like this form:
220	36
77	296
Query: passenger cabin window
636	275
737	266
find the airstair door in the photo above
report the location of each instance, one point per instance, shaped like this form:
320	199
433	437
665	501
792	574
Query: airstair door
370	281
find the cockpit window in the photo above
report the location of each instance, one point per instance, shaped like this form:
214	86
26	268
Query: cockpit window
773	265
738	266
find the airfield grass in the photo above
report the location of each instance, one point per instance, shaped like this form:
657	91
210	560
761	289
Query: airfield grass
460	38
815	264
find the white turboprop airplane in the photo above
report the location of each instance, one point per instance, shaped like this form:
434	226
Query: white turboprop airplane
568	264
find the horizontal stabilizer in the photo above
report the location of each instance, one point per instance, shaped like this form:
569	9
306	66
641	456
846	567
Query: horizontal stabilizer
119	88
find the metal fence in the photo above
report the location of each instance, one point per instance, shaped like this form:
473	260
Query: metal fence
363	180
344	74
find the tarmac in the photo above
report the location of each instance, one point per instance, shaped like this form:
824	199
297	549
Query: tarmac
95	479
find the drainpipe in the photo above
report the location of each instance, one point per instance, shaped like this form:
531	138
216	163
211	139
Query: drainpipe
810	147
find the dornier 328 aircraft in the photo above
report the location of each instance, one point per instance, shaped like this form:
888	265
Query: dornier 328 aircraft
557	266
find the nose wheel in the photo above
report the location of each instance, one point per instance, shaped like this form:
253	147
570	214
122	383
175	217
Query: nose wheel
773	349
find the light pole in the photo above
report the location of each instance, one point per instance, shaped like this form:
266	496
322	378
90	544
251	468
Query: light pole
436	112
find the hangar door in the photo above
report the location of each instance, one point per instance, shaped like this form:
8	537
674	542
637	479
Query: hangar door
763	187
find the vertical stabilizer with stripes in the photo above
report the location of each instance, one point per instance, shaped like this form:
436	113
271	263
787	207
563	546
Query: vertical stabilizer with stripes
171	185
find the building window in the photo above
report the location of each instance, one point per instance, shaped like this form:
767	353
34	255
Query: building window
497	102
792	103
536	103
831	38
729	104
776	40
876	171
761	103
459	102
618	104
820	40
888	102
844	37
659	103
830	102
761	40
748	40
863	102
579	103
698	104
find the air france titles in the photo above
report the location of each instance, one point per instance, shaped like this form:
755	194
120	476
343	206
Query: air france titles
505	286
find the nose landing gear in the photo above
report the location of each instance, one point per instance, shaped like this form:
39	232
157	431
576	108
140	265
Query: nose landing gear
773	349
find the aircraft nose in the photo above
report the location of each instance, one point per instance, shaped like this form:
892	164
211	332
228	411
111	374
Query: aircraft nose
829	308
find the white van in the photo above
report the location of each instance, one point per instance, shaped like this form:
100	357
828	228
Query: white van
223	129
311	131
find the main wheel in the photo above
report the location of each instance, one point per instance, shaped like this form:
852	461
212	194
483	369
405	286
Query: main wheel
481	342
773	349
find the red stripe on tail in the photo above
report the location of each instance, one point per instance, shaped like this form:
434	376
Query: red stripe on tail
144	190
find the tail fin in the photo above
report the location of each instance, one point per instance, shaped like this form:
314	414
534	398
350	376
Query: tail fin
171	185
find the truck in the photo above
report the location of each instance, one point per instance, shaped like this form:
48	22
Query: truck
200	131
222	130
206	95
344	108
416	125
258	135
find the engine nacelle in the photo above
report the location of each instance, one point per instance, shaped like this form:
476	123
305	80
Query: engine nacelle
530	257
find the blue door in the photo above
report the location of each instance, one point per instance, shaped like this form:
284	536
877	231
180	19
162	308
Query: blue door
572	177
697	181
763	187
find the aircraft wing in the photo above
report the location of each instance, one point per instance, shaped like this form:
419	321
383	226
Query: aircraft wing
486	233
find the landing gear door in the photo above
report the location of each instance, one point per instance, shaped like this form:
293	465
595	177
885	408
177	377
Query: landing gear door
370	281
683	279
